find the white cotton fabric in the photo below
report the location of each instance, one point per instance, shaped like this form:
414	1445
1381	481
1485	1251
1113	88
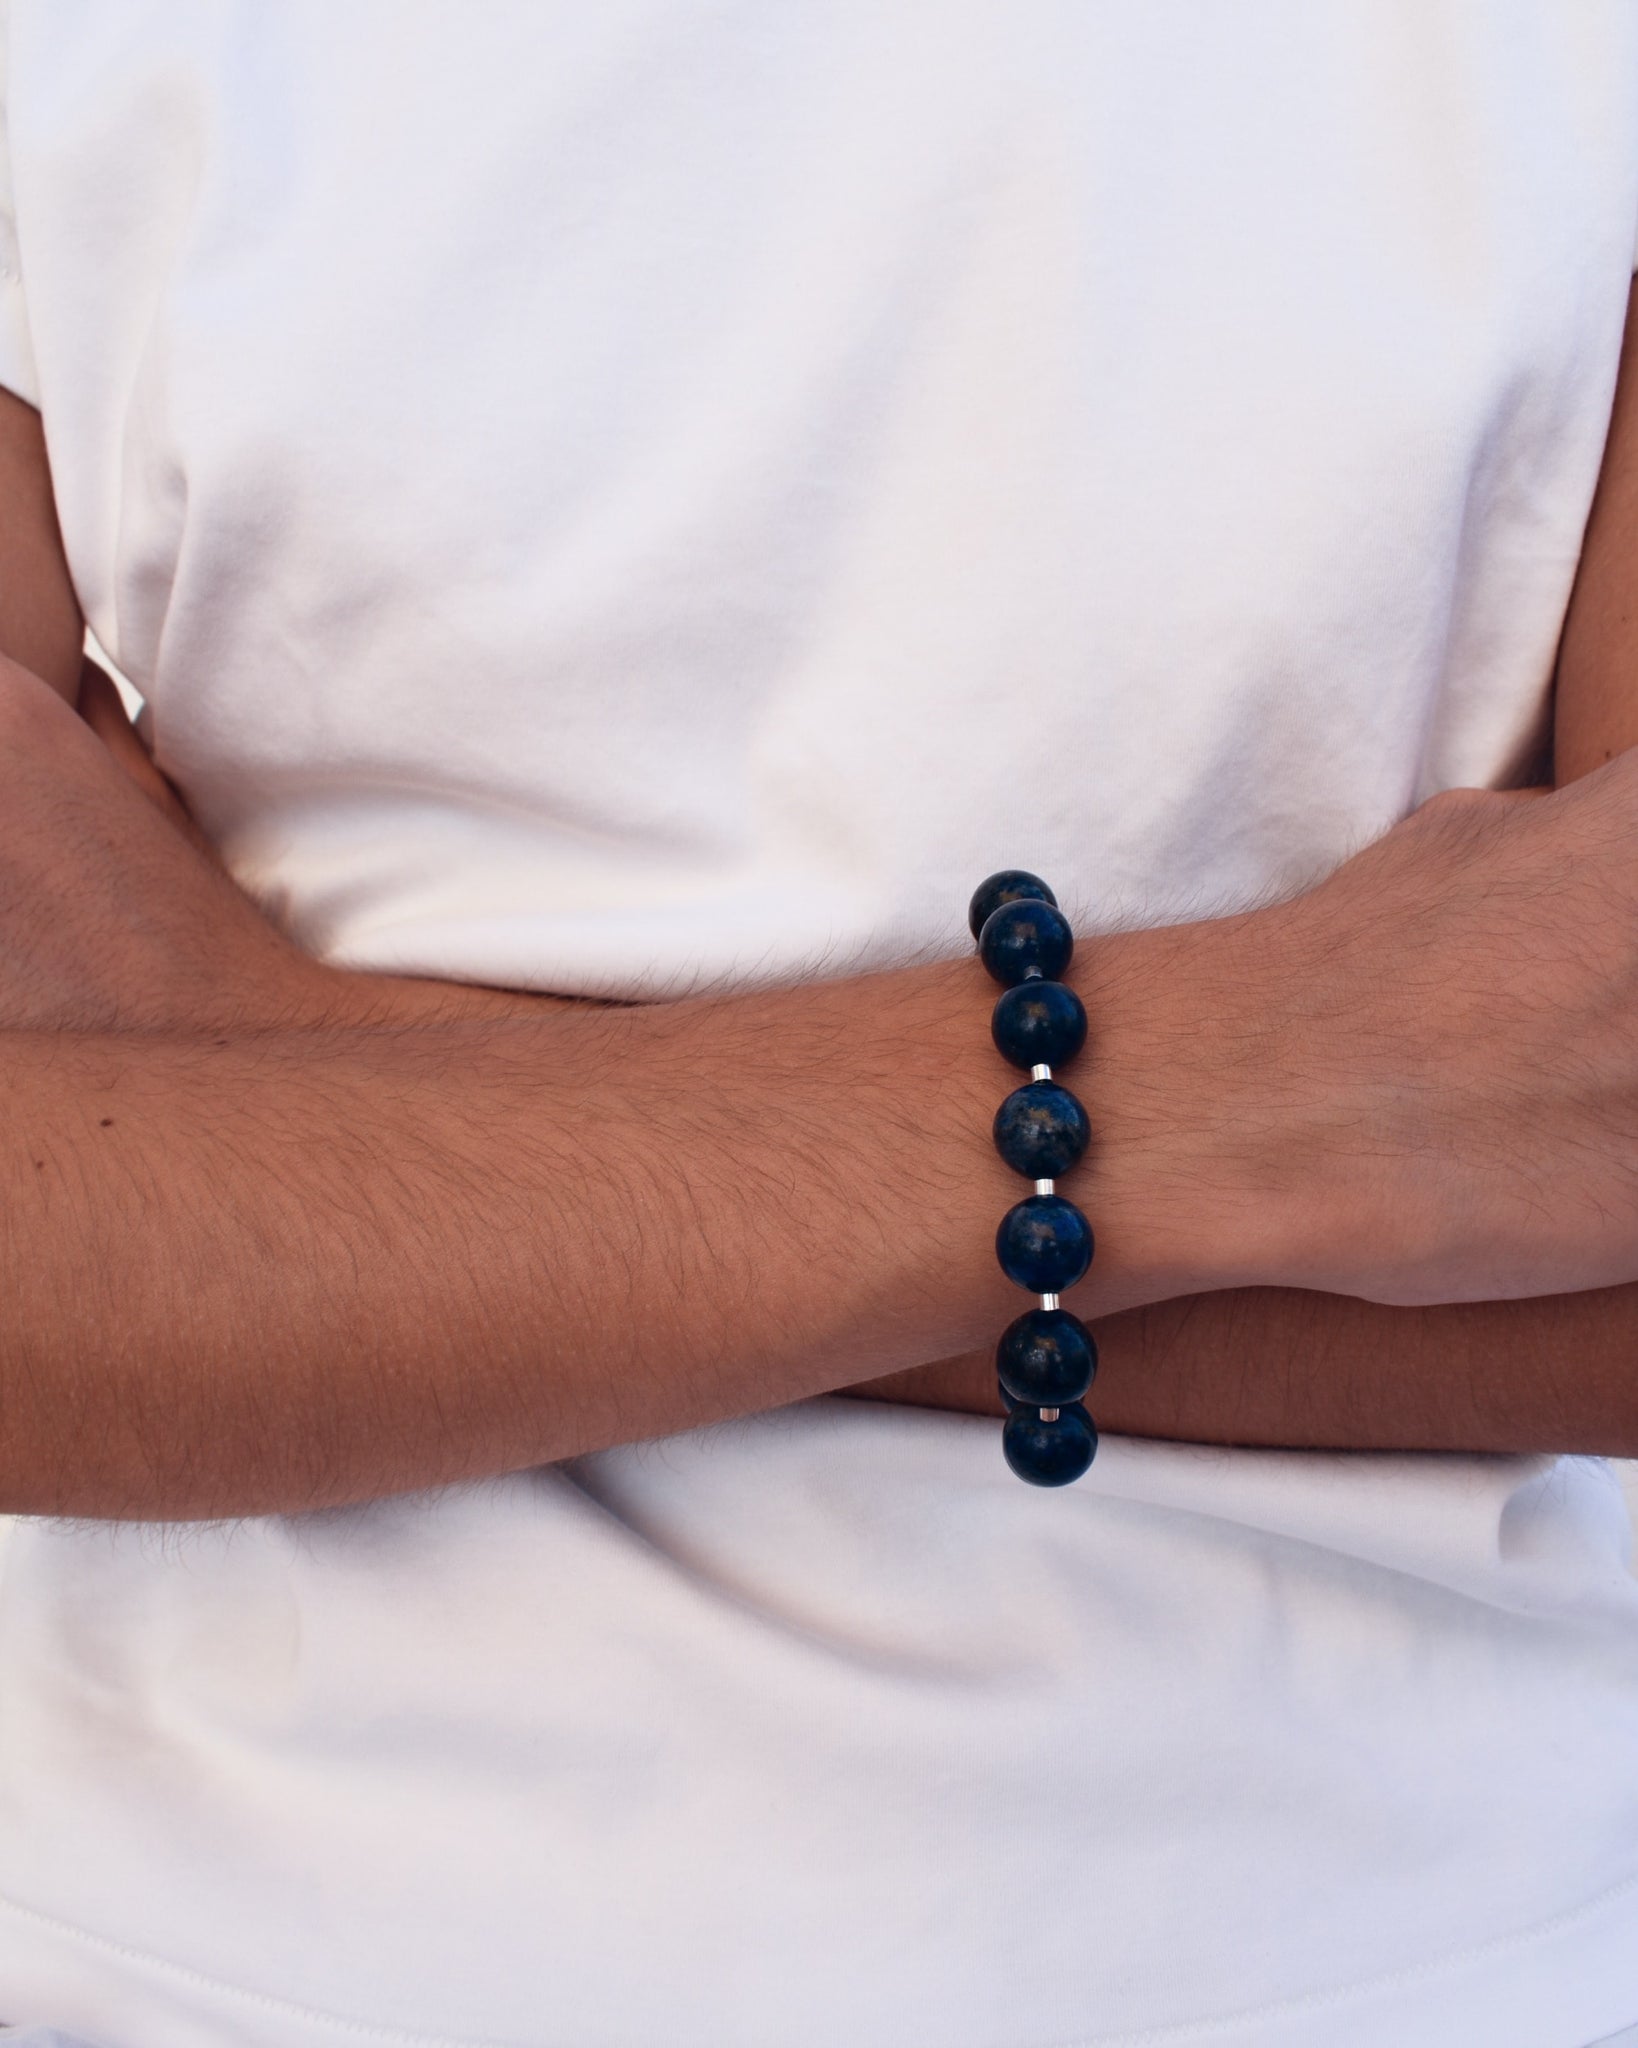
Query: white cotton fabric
645	497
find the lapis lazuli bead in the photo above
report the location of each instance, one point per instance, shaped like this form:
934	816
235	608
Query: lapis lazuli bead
1041	1130
1011	885
1047	1358
1025	940
1044	1244
1039	1024
1049	1453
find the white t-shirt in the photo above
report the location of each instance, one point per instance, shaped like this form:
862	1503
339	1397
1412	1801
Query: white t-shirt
659	494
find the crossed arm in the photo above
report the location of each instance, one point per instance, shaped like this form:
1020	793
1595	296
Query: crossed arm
279	1237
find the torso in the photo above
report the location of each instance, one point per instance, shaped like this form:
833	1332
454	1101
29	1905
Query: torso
640	498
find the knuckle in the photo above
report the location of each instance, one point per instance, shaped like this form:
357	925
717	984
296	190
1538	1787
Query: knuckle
1462	822
1459	803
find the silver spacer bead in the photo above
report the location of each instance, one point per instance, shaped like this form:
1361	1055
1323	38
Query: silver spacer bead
1040	1073
1049	1301
1044	1187
1049	1414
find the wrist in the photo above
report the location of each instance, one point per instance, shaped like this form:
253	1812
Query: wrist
1192	1183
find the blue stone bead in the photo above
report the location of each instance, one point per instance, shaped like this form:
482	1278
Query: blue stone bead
1041	1130
1039	1024
1044	1244
1023	940
1012	885
1049	1453
1047	1358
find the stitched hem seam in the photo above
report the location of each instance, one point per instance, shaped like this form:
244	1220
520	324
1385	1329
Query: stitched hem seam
1175	2032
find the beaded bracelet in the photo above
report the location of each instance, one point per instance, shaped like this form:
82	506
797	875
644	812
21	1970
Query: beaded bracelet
1046	1359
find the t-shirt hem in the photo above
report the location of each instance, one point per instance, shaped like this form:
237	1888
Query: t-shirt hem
1567	1982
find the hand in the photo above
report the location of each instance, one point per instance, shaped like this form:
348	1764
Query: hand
115	913
1416	1083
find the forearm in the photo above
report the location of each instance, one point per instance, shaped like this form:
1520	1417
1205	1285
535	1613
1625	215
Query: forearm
278	1269
1280	1367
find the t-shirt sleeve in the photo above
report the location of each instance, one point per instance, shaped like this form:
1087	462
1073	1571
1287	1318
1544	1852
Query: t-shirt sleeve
16	348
